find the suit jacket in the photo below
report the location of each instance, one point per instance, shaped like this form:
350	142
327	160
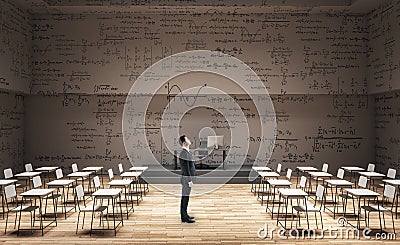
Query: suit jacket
188	169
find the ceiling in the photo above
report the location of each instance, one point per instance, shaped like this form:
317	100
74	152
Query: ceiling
360	7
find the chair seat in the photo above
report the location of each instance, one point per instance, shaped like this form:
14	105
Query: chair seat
375	208
310	208
53	196
20	185
24	209
381	185
346	196
94	208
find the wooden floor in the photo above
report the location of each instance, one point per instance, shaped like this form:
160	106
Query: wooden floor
228	215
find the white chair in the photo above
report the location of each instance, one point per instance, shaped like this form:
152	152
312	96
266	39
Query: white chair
340	173
303	182
96	182
8	174
279	168
11	193
325	167
289	173
362	183
120	168
80	196
371	167
391	174
388	197
37	182
74	167
111	174
28	167
312	208
59	173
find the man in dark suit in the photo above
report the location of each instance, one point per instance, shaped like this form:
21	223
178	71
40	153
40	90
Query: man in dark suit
188	174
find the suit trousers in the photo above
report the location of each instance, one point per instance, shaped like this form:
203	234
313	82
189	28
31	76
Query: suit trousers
185	200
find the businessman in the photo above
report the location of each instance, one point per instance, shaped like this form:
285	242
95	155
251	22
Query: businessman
188	174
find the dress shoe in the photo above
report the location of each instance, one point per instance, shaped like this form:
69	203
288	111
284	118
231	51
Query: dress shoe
188	221
190	217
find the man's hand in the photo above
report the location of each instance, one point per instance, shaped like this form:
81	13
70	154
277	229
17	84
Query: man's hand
190	184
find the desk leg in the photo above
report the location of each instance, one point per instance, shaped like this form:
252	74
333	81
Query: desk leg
55	200
286	213
2	201
91	223
279	208
120	208
126	204
308	223
273	202
41	215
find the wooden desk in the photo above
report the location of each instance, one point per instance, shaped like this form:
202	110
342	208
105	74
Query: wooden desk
371	176
136	184
360	194
290	194
335	183
47	170
261	186
60	183
352	170
28	176
257	169
305	170
275	183
317	175
113	195
125	184
38	194
95	170
81	176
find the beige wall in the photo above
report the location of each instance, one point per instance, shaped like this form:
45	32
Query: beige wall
15	47
387	122
15	78
293	53
311	129
11	131
384	48
313	64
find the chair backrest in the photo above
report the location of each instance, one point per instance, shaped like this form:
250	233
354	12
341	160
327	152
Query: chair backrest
371	167
37	182
289	173
28	167
362	182
320	191
79	192
111	174
389	191
279	168
120	168
303	181
96	181
391	173
8	173
74	167
325	167
340	173
59	173
10	191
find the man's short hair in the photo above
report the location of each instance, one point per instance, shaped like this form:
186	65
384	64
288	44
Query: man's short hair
182	139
